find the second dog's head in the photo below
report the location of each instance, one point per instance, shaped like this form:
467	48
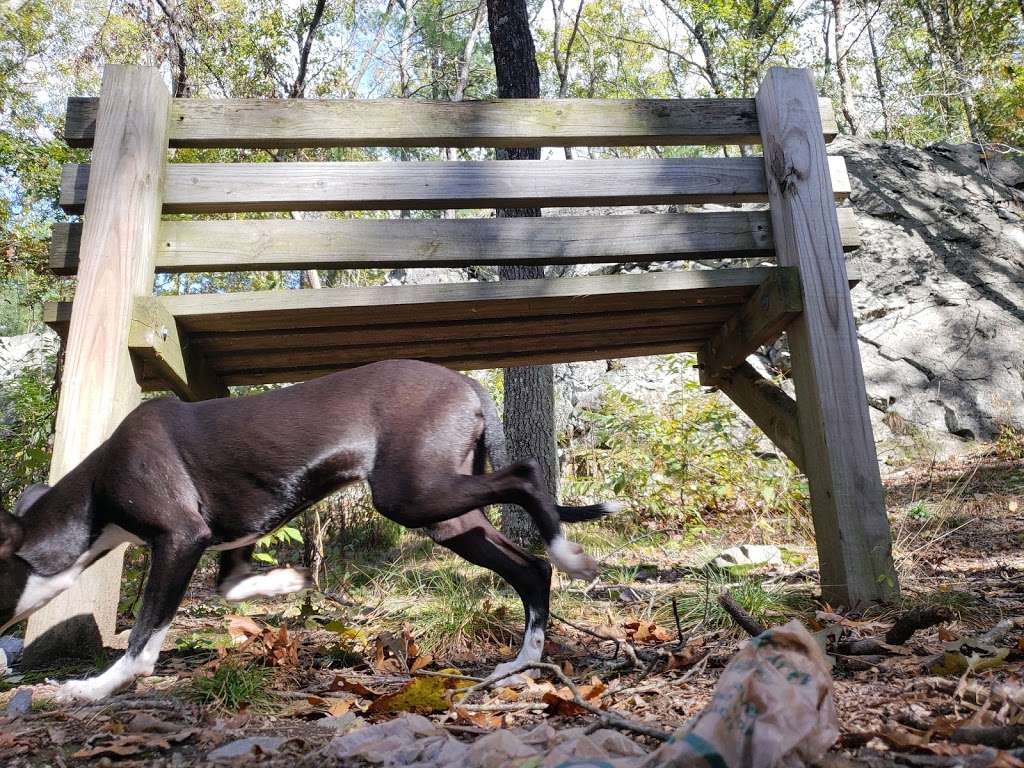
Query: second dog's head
14	571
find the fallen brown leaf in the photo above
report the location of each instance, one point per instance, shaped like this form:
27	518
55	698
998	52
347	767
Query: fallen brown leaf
340	683
487	720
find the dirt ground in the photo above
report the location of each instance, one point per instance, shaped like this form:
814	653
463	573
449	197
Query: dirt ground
306	671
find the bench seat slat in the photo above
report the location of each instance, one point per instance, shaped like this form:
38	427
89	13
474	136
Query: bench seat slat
440	349
270	244
471	362
270	123
271	310
240	187
464	330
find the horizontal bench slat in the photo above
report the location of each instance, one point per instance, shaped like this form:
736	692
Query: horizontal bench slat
239	187
453	302
270	123
267	310
409	333
270	244
567	339
471	363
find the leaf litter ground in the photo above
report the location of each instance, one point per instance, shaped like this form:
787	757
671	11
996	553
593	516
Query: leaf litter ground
648	640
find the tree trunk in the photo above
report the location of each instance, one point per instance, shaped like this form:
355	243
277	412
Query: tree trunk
846	101
883	97
529	392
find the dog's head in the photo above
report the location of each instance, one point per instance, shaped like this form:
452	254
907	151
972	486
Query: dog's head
14	571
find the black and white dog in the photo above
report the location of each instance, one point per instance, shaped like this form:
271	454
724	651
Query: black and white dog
182	478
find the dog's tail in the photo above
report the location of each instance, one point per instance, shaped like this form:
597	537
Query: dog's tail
494	446
589	512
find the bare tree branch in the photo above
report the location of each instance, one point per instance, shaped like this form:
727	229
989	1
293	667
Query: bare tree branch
298	89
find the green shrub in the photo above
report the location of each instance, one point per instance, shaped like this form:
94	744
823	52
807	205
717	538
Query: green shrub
27	409
682	460
1010	443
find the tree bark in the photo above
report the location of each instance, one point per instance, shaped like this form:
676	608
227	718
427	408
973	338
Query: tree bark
883	96
529	392
846	101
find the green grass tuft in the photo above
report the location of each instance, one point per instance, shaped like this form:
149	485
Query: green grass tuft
770	605
232	686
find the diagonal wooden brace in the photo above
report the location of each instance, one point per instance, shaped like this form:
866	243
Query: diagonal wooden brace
153	339
765	403
760	321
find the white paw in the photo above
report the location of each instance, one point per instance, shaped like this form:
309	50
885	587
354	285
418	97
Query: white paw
79	690
569	557
523	677
279	581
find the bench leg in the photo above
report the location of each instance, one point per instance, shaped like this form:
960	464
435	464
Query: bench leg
854	542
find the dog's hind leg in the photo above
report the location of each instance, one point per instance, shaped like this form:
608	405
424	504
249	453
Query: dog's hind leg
174	557
448	496
237	580
473	538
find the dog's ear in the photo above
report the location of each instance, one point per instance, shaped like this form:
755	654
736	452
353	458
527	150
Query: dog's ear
29	497
11	535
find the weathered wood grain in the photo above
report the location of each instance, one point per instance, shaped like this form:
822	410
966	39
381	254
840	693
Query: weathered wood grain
355	307
239	187
769	407
533	357
270	244
412	332
99	387
272	310
459	349
154	339
290	123
761	320
854	543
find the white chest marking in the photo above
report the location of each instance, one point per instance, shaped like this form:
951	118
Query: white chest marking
39	590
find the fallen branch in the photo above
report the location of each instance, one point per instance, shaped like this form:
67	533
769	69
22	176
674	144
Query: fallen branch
746	622
911	621
998	736
866	646
627	650
607	717
517	706
969	691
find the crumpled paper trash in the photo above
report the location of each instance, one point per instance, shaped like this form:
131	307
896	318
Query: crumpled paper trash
772	708
413	741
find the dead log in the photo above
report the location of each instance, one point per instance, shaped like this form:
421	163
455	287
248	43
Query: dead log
911	621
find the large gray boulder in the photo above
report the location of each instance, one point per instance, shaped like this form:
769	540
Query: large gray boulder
941	307
29	350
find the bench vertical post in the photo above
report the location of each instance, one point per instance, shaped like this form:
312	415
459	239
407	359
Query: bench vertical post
99	387
847	499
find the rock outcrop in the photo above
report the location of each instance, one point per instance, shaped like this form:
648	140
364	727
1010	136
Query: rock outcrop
940	309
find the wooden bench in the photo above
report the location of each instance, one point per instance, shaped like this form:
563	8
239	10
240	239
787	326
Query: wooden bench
121	339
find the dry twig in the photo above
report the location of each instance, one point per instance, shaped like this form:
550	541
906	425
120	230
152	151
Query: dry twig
746	622
627	650
607	717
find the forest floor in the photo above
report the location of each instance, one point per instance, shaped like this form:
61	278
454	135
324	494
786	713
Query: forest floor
395	633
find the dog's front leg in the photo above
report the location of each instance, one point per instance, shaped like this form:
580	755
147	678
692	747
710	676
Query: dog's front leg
175	556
